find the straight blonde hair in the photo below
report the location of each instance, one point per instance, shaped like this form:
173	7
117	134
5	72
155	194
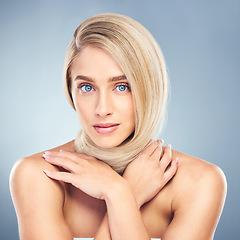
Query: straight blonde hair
142	62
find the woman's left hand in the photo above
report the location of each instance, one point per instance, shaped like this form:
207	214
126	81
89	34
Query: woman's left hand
90	175
150	171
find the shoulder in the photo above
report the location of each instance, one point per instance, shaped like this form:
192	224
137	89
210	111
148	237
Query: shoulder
29	168
193	170
38	200
197	178
28	179
27	174
198	192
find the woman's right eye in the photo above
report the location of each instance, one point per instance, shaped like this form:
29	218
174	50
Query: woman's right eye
86	88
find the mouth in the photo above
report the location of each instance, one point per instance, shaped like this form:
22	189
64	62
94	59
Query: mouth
106	128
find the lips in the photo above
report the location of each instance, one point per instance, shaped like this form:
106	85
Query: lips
106	128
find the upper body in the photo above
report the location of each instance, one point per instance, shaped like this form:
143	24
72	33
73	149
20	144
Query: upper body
188	206
113	181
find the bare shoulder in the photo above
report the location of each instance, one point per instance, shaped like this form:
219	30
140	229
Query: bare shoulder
198	192
197	177
38	200
27	177
27	174
29	170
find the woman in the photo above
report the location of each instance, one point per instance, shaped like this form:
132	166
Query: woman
113	181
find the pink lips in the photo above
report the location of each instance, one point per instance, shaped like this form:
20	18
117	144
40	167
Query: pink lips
106	128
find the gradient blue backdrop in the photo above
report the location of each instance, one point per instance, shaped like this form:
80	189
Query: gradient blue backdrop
200	40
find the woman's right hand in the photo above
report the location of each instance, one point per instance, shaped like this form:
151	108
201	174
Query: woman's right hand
90	175
150	171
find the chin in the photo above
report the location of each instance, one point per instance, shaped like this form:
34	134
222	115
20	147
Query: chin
106	145
107	142
110	143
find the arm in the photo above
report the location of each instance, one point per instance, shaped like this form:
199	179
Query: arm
197	204
38	201
145	184
198	201
100	181
123	211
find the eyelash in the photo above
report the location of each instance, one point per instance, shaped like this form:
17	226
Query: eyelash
84	85
118	85
125	85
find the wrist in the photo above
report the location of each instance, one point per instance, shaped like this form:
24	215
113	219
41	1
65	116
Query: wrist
138	196
117	191
139	201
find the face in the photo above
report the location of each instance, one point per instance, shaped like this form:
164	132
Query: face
102	97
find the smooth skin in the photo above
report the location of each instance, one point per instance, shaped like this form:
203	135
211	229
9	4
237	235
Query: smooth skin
101	94
61	194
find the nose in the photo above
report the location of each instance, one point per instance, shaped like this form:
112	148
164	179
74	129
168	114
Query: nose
104	106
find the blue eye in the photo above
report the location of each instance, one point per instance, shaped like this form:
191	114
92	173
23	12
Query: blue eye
86	88
122	88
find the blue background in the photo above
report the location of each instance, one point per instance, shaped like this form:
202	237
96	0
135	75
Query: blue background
200	41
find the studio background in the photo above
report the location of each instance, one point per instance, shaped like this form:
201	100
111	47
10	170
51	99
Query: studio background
200	41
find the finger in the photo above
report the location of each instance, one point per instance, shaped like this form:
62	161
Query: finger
60	176
157	154
70	155
148	151
166	158
65	163
171	171
75	156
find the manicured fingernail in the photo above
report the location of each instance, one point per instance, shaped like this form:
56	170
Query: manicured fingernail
169	146
48	153
160	142
45	156
46	171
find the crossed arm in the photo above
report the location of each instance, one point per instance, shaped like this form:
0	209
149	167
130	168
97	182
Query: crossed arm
124	196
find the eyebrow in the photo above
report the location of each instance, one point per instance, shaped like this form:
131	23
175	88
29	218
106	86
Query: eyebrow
113	79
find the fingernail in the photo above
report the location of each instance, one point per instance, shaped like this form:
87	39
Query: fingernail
160	142
46	156
177	160
62	150
48	153
169	146
46	171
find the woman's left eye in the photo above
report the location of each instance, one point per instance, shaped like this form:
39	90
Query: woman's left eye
122	87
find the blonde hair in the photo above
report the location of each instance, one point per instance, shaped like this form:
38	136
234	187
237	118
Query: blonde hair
142	61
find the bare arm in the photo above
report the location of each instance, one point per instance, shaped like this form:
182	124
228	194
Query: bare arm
199	196
98	180
197	204
123	199
146	175
38	202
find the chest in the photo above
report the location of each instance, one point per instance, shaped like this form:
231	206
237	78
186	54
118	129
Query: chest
84	214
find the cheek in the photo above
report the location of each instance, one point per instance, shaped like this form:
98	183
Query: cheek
83	111
131	113
82	105
127	108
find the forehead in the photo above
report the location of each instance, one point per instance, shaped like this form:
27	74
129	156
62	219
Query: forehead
95	62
